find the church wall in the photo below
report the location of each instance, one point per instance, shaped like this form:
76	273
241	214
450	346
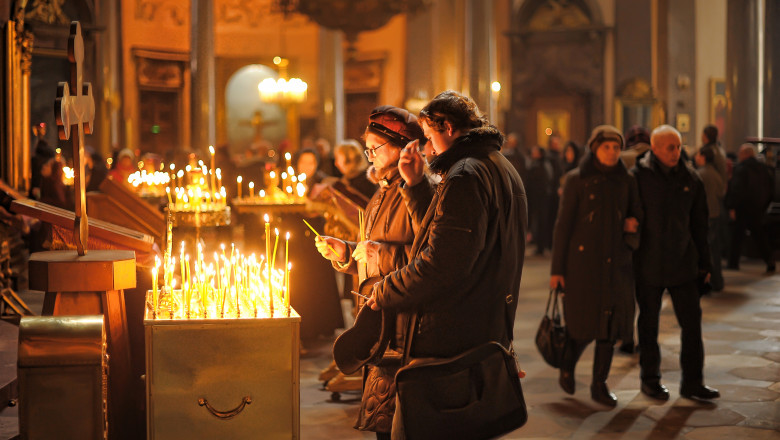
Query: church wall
681	68
159	26
388	42
633	43
710	55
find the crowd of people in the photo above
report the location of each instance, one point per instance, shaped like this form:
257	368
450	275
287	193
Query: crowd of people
627	218
450	205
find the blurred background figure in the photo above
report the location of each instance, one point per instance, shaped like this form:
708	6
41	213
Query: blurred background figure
637	144
750	192
539	187
352	164
124	165
307	161
515	155
43	153
715	188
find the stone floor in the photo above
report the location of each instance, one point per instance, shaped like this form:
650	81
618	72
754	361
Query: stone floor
742	342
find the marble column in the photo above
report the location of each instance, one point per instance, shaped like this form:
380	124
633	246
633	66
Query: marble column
752	50
202	71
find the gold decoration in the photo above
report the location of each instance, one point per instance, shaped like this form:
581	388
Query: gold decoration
47	11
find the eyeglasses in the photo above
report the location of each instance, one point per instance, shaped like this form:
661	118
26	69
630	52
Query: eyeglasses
369	151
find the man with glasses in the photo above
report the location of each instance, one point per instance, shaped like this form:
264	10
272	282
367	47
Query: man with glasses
389	234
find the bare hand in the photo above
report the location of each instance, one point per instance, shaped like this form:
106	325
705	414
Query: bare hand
373	304
557	280
366	252
411	163
707	278
323	242
732	214
631	225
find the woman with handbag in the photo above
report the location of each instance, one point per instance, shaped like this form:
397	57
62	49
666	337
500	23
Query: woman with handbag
595	234
389	231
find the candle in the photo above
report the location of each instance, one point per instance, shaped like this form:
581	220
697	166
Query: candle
219	177
239	179
267	261
251	190
213	184
287	267
168	192
276	243
155	271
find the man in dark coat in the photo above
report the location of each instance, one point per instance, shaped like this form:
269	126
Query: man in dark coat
674	256
463	277
750	192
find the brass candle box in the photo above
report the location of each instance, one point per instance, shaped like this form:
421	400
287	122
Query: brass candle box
223	378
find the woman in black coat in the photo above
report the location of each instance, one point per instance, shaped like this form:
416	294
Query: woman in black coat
595	235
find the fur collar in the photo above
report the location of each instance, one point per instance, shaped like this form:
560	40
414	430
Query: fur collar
478	142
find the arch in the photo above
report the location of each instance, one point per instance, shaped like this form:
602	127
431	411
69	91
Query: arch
567	11
248	119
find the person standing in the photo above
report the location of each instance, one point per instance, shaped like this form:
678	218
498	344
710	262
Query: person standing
709	141
390	232
674	256
595	235
715	188
750	192
463	277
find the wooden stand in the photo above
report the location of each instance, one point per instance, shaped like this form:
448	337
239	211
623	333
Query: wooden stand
94	284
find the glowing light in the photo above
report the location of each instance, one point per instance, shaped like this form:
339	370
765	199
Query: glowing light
495	86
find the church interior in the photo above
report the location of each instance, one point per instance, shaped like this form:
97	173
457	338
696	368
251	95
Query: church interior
153	150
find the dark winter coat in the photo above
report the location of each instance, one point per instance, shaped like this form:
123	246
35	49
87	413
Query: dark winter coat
751	188
389	223
594	254
463	277
674	248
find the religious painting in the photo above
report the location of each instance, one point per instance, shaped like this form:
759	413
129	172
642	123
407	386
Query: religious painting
362	76
553	121
683	122
718	104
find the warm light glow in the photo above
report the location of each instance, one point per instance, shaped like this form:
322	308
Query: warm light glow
283	90
548	131
495	86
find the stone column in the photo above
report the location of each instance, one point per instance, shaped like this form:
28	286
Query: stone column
752	50
331	123
202	71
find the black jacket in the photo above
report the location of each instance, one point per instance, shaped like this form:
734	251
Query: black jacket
674	247
463	277
752	188
593	253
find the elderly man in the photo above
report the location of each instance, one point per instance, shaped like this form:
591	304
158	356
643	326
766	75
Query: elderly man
674	256
750	192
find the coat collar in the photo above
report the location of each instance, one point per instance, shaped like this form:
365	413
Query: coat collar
478	142
588	167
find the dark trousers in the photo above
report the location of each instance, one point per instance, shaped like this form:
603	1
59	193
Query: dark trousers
716	252
685	300
602	359
754	223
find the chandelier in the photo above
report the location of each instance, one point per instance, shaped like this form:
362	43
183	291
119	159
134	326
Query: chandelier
351	17
282	90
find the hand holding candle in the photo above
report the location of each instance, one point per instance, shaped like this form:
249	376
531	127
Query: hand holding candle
329	243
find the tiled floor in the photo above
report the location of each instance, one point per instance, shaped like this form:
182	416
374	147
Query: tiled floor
742	343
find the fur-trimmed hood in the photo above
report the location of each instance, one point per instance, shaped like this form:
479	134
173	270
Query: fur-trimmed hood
478	142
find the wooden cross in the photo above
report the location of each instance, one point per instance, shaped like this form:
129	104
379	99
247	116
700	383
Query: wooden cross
78	110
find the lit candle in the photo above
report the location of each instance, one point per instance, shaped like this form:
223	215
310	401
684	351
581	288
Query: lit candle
287	271
251	190
219	177
168	192
239	179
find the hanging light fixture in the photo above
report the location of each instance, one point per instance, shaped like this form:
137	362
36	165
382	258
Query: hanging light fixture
283	90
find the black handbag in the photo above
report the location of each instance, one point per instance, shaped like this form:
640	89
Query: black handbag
551	337
475	395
